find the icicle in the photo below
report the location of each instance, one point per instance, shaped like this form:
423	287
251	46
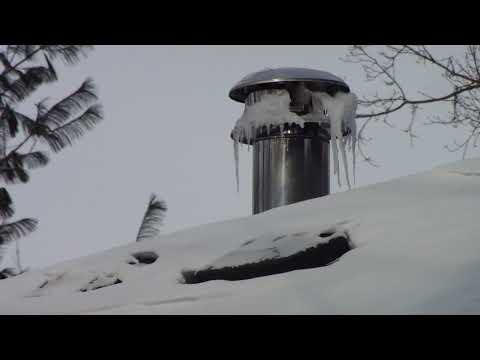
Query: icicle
272	110
335	158
327	103
354	144
353	128
349	109
236	157
341	144
318	110
341	111
344	158
286	144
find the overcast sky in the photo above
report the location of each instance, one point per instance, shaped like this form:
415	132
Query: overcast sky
166	131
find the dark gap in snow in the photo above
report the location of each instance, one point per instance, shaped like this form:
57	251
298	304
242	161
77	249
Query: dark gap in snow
100	282
8	273
117	281
465	173
279	238
144	257
300	234
42	285
248	242
326	234
316	256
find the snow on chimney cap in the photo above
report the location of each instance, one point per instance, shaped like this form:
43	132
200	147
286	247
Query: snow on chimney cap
315	80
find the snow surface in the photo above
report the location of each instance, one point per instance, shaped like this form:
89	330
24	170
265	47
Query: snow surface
273	110
273	246
417	251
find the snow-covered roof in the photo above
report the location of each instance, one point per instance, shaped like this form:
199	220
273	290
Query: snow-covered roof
317	80
416	251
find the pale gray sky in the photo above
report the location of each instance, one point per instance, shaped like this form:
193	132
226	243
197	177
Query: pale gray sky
166	130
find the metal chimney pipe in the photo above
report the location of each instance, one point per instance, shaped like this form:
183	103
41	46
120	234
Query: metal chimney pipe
290	165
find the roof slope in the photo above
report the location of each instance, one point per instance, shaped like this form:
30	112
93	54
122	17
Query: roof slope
417	251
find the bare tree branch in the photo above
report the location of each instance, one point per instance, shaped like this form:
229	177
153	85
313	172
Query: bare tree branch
461	93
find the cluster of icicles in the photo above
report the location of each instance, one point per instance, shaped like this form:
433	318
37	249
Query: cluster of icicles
273	109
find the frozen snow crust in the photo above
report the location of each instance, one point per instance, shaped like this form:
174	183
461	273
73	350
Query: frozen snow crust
416	251
273	111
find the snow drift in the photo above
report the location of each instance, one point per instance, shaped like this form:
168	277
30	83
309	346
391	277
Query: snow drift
416	251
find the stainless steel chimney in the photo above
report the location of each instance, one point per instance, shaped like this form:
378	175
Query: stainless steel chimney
290	165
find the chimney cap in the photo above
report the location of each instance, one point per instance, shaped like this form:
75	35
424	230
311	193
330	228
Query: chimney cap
315	80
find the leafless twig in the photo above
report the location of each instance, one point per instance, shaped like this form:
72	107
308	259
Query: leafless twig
461	93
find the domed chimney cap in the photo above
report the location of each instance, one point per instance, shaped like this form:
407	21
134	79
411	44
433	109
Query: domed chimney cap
315	80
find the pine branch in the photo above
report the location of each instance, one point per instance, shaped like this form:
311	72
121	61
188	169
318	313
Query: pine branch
9	68
42	108
3	138
27	51
65	135
50	66
75	102
31	78
6	204
13	168
153	217
12	172
16	230
33	160
11	119
28	81
69	54
3	251
31	127
51	125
